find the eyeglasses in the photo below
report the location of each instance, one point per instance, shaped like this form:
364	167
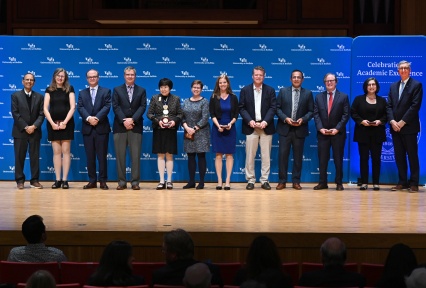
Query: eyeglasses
60	76
92	77
329	81
371	84
404	68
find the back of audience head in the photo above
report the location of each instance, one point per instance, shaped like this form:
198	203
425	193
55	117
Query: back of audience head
41	279
197	276
178	245
262	254
34	229
333	252
417	278
252	284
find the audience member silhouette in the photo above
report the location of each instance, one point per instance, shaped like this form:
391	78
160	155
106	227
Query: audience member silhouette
41	279
333	257
417	279
34	232
197	276
263	264
399	264
115	267
178	249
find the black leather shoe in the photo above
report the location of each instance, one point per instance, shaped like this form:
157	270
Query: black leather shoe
199	186
189	186
250	186
57	184
218	187
266	186
227	188
103	186
320	187
65	185
121	187
90	185
339	187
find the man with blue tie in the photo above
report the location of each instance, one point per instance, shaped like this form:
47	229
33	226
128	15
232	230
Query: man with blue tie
295	107
404	101
129	105
331	113
94	104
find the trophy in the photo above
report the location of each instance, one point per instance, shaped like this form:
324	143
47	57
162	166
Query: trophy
165	118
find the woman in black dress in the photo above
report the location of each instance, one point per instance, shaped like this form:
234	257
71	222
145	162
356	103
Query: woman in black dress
166	114
369	113
59	107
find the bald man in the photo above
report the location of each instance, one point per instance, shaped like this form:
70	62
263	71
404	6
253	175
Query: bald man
197	276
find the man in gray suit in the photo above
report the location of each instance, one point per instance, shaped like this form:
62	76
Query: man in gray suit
27	112
295	107
129	104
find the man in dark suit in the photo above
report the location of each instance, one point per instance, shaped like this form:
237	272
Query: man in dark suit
331	113
129	104
94	104
333	257
257	108
404	101
295	107
27	112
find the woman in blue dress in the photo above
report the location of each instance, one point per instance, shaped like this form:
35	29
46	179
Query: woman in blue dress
224	113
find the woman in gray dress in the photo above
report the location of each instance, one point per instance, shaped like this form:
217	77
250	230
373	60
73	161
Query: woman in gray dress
196	123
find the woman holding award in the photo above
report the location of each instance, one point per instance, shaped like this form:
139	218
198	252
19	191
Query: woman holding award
166	114
197	133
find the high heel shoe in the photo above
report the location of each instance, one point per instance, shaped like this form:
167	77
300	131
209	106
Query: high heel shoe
57	184
363	187
219	187
65	185
227	187
189	186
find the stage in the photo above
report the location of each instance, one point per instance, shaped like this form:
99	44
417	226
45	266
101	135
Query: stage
222	223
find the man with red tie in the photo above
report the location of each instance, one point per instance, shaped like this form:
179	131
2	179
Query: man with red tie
331	113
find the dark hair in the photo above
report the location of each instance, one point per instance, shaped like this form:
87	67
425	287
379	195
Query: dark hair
197	82
66	86
262	254
297	70
29	74
400	262
333	252
216	91
365	85
114	268
33	229
259	68
41	279
165	82
180	242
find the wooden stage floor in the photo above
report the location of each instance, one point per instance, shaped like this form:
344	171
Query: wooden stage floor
299	219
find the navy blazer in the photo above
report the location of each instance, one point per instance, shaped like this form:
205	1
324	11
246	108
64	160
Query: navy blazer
99	110
363	133
305	110
268	108
339	114
407	108
124	109
23	116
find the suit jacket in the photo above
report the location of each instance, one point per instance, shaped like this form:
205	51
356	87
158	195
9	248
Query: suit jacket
359	113
24	116
268	108
407	108
124	109
335	276
216	111
339	114
100	110
155	110
305	110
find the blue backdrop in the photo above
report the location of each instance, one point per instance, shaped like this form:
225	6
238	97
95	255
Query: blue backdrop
184	59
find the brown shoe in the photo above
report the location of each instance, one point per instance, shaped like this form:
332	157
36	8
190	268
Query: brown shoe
36	185
297	186
121	187
90	185
339	187
398	187
413	188
136	187
280	186
20	185
321	187
103	186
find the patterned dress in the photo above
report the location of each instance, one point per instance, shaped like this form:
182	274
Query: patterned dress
196	113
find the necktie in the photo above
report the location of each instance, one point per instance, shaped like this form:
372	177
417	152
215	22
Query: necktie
130	92
330	102
93	94
401	88
295	104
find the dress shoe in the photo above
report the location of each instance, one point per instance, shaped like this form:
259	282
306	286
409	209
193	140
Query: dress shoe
121	187
199	186
250	186
218	187
136	187
339	187
363	187
36	185
321	187
399	187
65	185
376	187
20	185
161	186
169	185
90	185
103	186
189	186
297	186
414	188
57	184
266	186
280	186
227	188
